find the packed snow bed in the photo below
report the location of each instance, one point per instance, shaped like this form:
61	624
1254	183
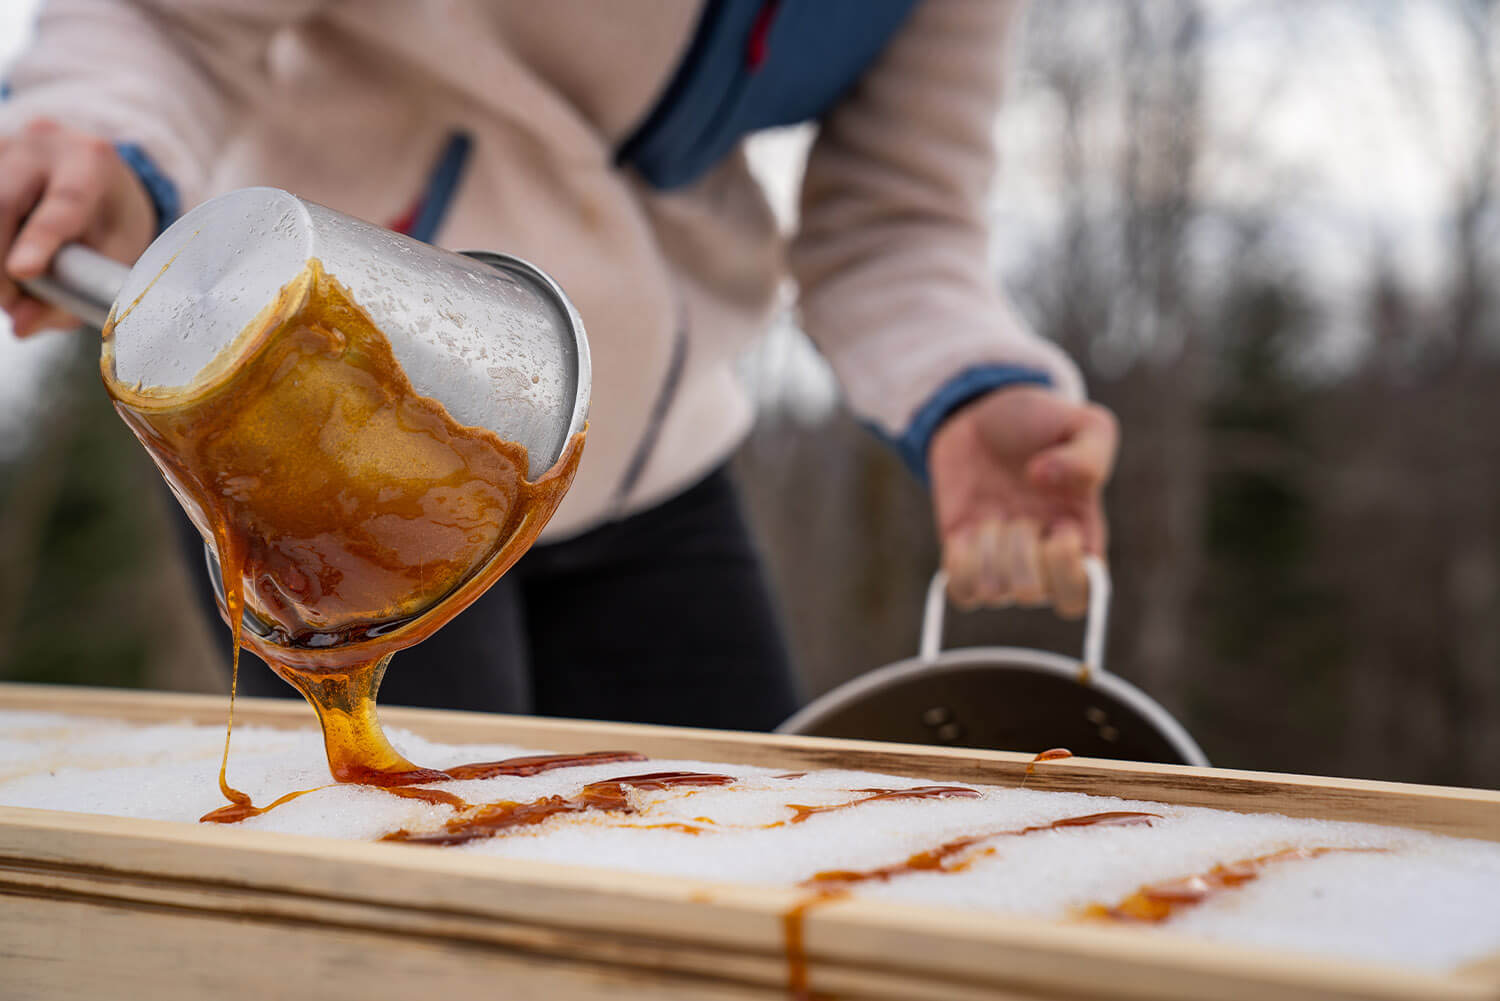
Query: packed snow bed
1404	898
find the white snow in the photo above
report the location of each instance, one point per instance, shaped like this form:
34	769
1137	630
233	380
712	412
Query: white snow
1422	901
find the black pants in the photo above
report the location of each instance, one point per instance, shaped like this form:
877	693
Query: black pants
663	617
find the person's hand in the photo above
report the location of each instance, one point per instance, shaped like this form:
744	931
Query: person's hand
59	185
1016	482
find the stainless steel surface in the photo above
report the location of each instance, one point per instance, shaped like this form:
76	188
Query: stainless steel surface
1004	698
493	339
573	354
530	280
490	336
82	281
1101	590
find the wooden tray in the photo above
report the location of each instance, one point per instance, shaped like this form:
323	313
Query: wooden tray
103	907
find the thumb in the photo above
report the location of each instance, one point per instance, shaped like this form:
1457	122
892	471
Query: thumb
1082	461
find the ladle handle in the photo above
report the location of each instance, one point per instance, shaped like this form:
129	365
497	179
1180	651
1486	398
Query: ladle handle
1093	627
82	281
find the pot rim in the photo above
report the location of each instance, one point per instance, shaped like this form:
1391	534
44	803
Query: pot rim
1001	658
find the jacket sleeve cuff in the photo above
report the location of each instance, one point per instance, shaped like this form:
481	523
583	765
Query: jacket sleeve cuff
913	443
158	185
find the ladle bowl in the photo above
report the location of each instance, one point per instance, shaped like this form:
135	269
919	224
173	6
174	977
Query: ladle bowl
489	336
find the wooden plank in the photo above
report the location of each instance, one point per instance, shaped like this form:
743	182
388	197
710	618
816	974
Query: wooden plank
507	907
1472	813
63	949
576	932
607	919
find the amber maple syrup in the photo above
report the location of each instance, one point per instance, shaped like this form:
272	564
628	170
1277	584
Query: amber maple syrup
350	515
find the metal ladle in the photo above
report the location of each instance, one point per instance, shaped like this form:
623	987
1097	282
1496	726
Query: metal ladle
491	337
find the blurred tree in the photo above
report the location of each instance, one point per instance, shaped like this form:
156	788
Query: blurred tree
1306	552
92	590
1263	609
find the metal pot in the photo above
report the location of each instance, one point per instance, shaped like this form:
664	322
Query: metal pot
1005	698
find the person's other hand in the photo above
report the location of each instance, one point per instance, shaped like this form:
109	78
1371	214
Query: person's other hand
59	185
1016	481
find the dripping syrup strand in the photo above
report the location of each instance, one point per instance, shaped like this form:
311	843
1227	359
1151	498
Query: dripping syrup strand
231	561
803	813
356	747
949	857
666	826
233	813
526	766
537	763
1051	754
1156	902
607	795
434	796
793	932
942	858
491	819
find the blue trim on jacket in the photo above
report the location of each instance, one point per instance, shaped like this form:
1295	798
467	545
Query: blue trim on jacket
442	185
752	65
965	387
163	193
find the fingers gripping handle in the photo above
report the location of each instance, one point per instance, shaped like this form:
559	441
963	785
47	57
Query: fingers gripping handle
1093	628
82	281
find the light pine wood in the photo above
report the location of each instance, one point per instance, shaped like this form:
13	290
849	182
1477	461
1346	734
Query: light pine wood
194	956
94	906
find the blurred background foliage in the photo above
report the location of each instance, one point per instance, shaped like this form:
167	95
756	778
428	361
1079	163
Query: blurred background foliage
1267	231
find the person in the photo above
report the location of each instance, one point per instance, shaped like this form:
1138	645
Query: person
605	143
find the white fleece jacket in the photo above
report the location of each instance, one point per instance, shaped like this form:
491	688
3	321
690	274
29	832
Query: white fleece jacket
348	102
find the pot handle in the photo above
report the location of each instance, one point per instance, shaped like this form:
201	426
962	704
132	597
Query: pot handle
1093	628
